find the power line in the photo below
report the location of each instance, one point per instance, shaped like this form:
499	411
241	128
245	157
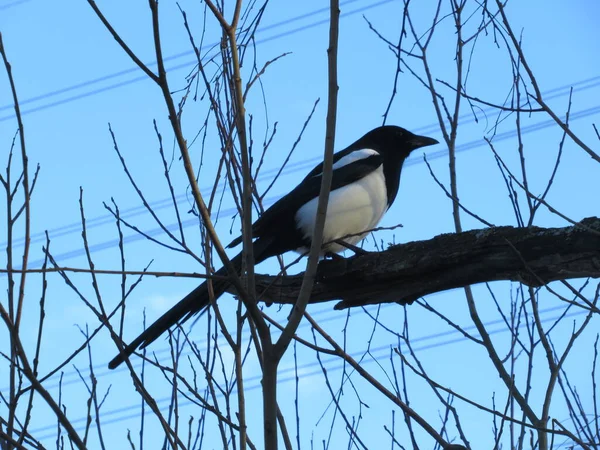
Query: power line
189	63
373	352
13	4
300	166
333	364
231	211
101	370
60	231
174	57
107	218
157	205
379	350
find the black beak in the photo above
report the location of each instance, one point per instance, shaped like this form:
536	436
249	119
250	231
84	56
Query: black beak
422	141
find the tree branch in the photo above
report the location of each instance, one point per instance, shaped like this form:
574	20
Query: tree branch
403	273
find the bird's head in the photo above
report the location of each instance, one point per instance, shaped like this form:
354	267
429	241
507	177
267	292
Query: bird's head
390	140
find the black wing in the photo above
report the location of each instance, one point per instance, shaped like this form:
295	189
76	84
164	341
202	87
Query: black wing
282	213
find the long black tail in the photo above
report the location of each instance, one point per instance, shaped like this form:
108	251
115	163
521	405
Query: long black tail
194	302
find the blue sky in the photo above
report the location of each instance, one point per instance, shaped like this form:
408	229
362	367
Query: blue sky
73	80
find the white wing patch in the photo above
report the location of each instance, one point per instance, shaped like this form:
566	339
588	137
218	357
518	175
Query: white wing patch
352	209
354	156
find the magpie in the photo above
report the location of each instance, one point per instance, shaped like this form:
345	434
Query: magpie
364	184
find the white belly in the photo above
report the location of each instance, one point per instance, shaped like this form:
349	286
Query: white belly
352	211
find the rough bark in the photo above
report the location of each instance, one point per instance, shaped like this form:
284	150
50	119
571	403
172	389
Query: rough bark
403	273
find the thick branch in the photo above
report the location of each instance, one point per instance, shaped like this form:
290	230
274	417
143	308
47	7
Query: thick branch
403	273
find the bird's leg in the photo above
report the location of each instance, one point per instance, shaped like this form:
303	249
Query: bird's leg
354	248
337	264
333	264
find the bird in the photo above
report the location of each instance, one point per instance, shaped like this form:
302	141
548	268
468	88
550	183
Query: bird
364	184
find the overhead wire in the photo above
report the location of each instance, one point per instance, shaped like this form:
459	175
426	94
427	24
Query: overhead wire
13	4
585	84
190	63
507	135
100	369
74	227
94	248
292	168
332	364
302	165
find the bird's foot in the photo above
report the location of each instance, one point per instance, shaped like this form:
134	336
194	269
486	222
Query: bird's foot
333	256
333	265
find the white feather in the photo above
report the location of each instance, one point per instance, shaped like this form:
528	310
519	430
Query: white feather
352	209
